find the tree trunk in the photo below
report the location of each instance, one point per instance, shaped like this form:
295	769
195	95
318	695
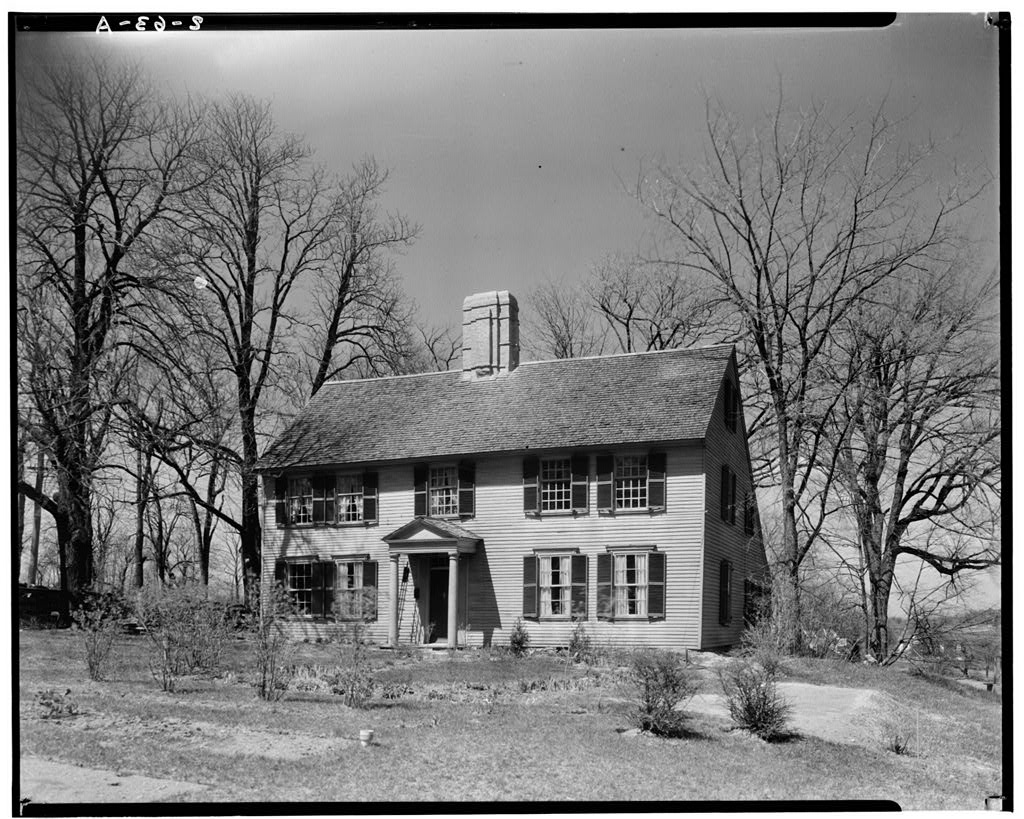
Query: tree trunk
250	545
141	492
37	520
21	514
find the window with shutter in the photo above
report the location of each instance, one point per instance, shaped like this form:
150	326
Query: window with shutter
727	495
725	593
300	585
531	494
530	587
729	401
631	584
749	512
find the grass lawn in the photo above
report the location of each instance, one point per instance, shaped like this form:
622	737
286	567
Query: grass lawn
482	726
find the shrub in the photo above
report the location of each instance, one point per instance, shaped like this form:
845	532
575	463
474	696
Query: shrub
754	701
100	618
271	645
581	647
52	705
519	639
664	684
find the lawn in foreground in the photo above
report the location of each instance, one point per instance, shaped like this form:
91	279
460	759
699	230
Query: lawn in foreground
474	742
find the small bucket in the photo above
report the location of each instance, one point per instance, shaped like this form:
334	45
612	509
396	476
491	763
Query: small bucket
366	736
994	802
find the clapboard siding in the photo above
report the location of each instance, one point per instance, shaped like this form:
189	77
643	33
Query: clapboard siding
724	541
491	580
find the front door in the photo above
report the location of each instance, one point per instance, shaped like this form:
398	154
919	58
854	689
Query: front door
438	600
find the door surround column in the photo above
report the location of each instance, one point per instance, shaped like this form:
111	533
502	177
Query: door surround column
453	598
393	601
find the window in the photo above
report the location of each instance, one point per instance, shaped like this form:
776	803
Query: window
555	586
727	495
444	490
344	589
731	404
300	500
631	584
631	482
749	513
300	586
725	593
558	484
326	500
349	498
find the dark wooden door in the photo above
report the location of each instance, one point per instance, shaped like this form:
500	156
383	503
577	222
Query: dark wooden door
438	614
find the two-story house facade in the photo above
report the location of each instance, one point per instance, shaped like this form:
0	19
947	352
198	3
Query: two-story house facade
440	508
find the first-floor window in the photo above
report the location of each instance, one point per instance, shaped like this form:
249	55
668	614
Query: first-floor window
300	586
349	590
631	583
555	585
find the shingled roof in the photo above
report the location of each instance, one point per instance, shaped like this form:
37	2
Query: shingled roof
565	404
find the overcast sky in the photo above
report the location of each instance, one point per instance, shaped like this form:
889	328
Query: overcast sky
512	148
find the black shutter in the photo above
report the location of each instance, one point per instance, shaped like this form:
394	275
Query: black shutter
467	488
369	496
328	574
281	573
580	482
531	471
605	603
732	497
419	480
280	490
317	593
656	585
748	513
370	591
730	406
605	475
330	491
724	592
723	495
579	587
530	587
656	480
317	482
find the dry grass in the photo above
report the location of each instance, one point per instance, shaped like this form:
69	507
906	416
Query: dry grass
494	728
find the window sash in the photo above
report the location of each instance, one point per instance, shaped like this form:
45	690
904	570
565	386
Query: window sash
630	482
555	485
348	500
300	586
348	593
629	585
555	585
443	490
300	500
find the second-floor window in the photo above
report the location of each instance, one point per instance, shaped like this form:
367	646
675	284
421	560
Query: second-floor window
631	482
444	490
557	484
300	500
326	499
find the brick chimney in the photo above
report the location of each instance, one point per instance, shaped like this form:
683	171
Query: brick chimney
490	334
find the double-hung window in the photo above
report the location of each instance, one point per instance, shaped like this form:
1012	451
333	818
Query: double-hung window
300	586
444	490
631	584
558	484
631	482
727	495
300	500
555	485
330	588
555	586
356	590
349	498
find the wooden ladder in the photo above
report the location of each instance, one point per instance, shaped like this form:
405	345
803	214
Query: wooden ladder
403	589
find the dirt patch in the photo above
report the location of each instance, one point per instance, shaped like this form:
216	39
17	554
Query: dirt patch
844	715
45	781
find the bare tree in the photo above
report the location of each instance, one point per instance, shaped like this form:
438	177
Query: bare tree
562	322
101	160
652	305
918	432
794	222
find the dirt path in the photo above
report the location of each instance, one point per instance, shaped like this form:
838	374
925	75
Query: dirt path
44	781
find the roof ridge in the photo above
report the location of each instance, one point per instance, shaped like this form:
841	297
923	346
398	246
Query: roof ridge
335	381
635	353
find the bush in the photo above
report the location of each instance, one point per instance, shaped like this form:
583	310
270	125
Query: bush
100	618
581	648
519	639
272	605
665	683
754	701
52	705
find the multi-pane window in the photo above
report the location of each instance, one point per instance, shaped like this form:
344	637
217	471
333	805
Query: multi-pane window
349	498
555	484
444	491
349	590
300	586
300	500
631	482
630	584
555	585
